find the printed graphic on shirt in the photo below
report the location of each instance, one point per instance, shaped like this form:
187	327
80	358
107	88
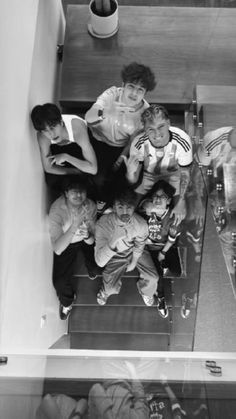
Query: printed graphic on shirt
161	229
159	407
155	227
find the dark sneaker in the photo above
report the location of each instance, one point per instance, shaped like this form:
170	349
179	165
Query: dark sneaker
64	312
102	297
162	307
166	273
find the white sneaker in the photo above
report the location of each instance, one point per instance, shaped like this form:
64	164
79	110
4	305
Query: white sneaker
102	297
147	300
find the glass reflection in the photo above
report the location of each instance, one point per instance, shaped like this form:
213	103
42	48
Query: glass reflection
63	385
125	392
216	155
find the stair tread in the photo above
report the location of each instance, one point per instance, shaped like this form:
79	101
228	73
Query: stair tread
127	342
129	295
114	319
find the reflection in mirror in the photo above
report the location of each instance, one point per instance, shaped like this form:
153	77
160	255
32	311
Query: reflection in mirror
216	156
142	387
126	392
66	385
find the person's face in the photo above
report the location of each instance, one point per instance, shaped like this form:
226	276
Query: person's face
76	197
133	94
161	201
123	211
158	131
53	132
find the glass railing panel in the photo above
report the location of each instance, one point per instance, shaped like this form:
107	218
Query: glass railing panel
216	154
185	290
59	384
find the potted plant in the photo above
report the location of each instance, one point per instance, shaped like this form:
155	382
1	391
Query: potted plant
103	18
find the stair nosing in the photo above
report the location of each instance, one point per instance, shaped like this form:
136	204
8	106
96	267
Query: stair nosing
118	333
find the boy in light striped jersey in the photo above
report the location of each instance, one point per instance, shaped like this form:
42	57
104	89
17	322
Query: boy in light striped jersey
160	151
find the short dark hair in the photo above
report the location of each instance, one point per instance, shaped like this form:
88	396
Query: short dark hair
75	182
47	114
126	196
154	111
138	73
168	189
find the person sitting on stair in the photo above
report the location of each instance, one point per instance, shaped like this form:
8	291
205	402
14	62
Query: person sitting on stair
160	151
120	238
64	145
163	231
114	118
71	224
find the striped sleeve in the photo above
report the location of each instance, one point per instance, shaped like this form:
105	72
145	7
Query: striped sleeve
211	146
137	146
184	148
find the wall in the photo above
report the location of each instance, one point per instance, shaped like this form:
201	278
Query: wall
31	30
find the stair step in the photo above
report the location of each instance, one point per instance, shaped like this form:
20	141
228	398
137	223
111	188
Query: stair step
120	341
129	295
117	319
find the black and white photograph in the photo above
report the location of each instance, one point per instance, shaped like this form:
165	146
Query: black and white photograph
118	209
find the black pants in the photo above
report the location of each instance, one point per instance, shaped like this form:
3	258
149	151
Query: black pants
55	182
64	265
105	179
171	261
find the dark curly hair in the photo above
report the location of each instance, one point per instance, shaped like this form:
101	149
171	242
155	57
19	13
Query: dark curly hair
126	196
138	73
47	114
168	189
74	182
152	112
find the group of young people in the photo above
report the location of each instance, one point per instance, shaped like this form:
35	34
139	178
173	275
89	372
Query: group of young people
121	175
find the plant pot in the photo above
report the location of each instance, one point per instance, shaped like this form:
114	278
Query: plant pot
103	26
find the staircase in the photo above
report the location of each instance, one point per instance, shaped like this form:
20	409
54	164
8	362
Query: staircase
124	323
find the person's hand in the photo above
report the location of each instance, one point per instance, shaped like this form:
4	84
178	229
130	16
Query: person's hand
58	159
117	108
132	164
118	163
179	211
118	235
160	257
131	266
83	230
146	160
163	379
148	208
75	220
198	212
